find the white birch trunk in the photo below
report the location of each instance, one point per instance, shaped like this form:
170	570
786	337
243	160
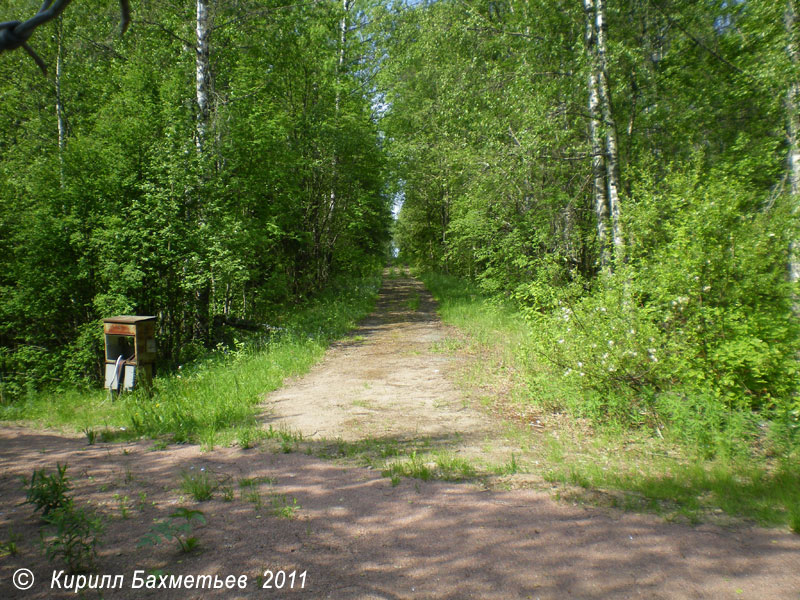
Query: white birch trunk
793	129
202	73
343	24
598	162
328	226
60	118
202	328
610	127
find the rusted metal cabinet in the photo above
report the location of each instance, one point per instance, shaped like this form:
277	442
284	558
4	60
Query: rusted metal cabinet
130	351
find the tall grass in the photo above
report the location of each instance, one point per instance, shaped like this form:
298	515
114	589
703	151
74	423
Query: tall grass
217	395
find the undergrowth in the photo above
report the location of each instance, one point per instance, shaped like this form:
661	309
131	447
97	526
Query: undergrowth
213	399
669	450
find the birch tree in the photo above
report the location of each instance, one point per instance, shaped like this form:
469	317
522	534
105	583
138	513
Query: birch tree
793	128
610	130
61	121
202	73
595	129
603	133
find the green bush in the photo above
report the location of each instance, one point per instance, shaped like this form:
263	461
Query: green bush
48	492
695	333
72	534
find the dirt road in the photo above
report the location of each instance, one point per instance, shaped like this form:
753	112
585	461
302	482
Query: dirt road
388	381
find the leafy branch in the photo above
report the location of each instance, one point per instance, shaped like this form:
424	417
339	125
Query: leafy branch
178	527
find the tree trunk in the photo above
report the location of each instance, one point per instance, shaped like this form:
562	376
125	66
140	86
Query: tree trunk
343	24
598	159
610	128
60	118
202	328
202	73
329	225
793	129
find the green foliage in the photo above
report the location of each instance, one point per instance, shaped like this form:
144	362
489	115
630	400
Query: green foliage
737	488
413	466
681	454
696	332
281	507
91	435
509	468
692	332
178	527
122	504
247	437
123	215
47	492
72	534
443	466
199	484
10	547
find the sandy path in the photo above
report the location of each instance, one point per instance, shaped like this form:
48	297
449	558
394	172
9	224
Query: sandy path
356	535
386	381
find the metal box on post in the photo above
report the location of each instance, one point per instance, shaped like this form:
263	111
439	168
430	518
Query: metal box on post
130	351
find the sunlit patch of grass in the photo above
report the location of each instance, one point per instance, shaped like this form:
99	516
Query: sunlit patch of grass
443	465
688	489
511	467
413	466
453	468
199	484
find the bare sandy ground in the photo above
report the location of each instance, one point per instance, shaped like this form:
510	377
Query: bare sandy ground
388	381
354	534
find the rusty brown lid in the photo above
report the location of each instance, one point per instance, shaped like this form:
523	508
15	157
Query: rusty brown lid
129	319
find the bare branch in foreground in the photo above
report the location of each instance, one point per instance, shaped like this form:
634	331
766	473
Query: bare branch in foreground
15	34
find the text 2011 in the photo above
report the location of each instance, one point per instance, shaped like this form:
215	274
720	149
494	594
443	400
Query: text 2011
279	580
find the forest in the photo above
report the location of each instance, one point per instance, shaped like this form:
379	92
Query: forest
221	163
625	175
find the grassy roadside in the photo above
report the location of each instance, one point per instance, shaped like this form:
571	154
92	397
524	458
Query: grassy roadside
214	400
606	465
